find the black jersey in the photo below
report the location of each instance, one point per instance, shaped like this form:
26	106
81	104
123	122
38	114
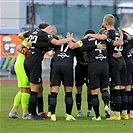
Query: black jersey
82	57
95	55
114	35
38	36
63	56
126	53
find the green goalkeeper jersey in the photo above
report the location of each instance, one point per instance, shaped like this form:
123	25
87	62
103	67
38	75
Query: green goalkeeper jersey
20	57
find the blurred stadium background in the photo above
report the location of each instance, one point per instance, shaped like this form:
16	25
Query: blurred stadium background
75	16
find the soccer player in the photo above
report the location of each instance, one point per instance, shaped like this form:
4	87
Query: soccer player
126	53
117	65
40	104
81	76
32	64
98	72
22	97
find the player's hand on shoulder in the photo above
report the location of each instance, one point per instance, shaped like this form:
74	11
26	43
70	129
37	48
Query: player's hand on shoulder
117	55
101	46
120	32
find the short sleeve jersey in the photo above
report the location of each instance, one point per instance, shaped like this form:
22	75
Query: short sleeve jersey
114	35
95	55
63	56
20	57
38	36
82	57
127	53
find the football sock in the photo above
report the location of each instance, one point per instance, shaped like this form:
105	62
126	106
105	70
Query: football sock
132	99
53	102
25	101
124	100
17	100
33	102
95	103
40	104
49	102
78	101
129	95
69	102
89	101
105	97
117	100
112	105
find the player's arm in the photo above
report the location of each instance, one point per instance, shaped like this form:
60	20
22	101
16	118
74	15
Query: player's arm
126	36
97	36
116	42
92	47
38	44
20	48
23	35
62	41
127	46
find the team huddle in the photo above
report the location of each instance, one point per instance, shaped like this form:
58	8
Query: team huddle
104	61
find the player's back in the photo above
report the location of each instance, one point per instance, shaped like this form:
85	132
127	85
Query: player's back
63	56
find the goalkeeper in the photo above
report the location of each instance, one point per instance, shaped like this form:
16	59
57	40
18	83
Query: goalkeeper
22	97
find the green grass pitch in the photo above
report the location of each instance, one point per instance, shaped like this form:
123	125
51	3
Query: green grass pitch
81	125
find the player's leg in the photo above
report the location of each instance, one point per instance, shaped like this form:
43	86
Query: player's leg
34	73
69	103
17	101
115	84
94	84
104	82
67	80
79	81
25	102
55	84
79	100
89	112
95	104
128	86
124	98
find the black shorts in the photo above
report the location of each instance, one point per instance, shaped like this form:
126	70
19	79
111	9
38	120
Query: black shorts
98	75
33	71
129	73
61	73
81	75
117	75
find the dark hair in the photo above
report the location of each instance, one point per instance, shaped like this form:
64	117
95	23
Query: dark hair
89	32
43	25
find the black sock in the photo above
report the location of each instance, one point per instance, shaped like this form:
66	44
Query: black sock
112	104
124	100
132	99
33	102
49	103
95	104
69	102
105	97
53	102
78	101
40	104
129	95
89	101
117	100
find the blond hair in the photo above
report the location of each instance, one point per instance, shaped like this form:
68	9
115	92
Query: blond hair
109	18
